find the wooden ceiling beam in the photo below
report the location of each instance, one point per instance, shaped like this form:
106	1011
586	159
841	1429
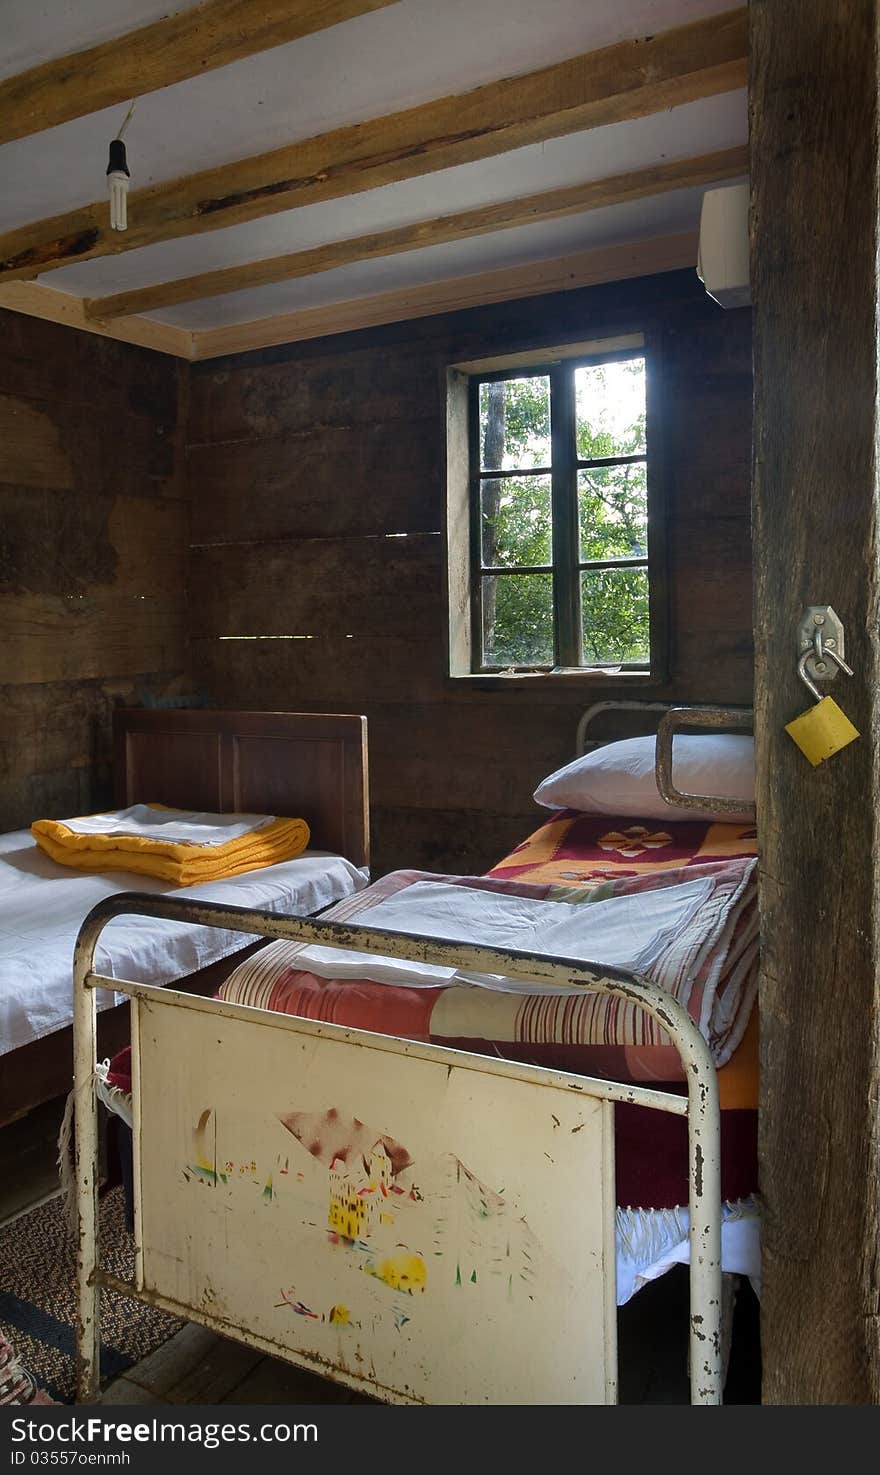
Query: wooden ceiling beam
456	294
178	46
37	301
550	205
537	278
631	79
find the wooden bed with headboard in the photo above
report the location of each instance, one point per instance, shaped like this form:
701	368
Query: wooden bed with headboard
309	765
312	765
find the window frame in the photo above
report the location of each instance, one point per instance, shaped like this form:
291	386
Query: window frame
566	564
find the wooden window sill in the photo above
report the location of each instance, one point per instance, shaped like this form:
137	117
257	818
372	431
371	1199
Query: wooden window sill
561	677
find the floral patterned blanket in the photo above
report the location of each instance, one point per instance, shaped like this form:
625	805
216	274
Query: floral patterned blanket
575	847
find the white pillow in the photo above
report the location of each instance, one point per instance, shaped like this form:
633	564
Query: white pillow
619	778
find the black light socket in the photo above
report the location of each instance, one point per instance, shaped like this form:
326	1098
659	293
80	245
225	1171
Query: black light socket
117	158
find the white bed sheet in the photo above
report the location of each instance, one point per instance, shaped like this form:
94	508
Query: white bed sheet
632	932
42	906
651	1241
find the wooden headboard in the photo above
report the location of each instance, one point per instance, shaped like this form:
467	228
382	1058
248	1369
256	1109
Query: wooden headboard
308	765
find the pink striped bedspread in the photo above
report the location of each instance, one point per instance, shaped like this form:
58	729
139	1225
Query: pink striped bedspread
710	966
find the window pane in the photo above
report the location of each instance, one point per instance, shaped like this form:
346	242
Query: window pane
518	620
613	511
515	521
610	409
615	615
515	423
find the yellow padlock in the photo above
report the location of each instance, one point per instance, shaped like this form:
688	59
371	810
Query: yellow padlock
822	731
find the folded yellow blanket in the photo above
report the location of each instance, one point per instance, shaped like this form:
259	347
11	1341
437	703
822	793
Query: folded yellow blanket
180	864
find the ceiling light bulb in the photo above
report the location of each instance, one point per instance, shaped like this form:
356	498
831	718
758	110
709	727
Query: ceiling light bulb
118	177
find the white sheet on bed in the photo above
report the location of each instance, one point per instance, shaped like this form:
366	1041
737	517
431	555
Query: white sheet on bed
43	904
651	1241
175	826
632	932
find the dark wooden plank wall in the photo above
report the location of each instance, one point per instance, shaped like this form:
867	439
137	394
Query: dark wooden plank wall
93	535
303	461
814	123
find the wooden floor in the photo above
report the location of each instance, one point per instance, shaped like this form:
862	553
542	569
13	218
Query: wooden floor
199	1367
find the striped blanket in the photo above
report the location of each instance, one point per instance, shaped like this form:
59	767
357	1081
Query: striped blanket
577	1033
692	929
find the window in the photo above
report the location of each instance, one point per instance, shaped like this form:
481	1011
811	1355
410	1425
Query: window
559	554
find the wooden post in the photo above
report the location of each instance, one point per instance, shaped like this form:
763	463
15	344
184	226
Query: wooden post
814	169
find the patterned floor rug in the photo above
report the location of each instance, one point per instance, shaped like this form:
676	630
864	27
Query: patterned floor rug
38	1297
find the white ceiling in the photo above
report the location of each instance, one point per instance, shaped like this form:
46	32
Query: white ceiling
405	54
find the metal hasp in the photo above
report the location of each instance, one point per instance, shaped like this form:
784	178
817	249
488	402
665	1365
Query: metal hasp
820	635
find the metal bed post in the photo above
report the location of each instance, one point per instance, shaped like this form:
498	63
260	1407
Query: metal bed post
704	1169
610	705
88	1323
716	719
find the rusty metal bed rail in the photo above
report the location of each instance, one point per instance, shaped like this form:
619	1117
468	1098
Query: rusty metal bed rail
716	719
674	718
588	717
700	1105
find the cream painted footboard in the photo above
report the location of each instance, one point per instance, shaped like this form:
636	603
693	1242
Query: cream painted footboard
422	1224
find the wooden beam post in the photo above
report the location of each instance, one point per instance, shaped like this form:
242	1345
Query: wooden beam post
815	171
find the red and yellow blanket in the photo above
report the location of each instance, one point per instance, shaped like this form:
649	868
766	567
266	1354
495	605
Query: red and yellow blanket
577	848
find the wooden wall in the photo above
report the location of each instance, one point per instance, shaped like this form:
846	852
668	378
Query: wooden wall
93	535
316	474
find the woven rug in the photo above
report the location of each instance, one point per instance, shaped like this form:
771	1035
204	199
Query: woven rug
38	1297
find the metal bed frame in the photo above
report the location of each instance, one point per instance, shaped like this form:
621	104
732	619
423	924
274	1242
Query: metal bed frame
168	1270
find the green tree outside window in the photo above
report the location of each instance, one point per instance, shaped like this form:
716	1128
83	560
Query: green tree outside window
592	416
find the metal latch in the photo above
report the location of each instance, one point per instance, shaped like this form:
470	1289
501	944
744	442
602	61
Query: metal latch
821	645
